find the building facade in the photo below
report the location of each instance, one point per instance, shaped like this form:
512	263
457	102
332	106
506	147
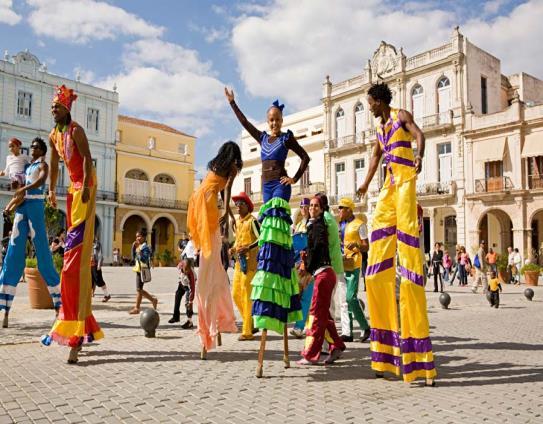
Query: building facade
307	127
26	91
155	178
483	163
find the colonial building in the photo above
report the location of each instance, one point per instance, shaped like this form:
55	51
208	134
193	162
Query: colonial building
483	163
307	128
155	178
483	153
26	91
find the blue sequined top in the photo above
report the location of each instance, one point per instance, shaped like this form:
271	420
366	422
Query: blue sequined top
276	150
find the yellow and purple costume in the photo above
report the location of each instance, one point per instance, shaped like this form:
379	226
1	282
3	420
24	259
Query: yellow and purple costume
395	220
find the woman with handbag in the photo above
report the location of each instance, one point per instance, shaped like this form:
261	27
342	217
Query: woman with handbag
142	269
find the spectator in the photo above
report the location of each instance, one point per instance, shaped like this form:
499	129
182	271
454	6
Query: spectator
59	243
189	252
517	264
437	260
447	265
491	258
510	264
495	288
185	287
480	269
464	266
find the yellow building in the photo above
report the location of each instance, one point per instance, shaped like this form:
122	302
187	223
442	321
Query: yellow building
155	178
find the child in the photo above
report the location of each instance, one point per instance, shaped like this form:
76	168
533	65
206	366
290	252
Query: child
15	164
447	265
495	288
185	287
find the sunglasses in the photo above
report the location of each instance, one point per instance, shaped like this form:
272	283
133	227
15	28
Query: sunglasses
35	146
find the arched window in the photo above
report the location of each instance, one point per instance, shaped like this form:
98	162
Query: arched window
359	121
164	189
136	185
444	100
340	126
417	99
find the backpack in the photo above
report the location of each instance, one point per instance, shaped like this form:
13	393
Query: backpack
477	262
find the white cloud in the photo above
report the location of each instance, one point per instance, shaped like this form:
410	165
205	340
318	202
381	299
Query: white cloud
85	75
79	21
7	14
288	50
210	34
515	38
164	81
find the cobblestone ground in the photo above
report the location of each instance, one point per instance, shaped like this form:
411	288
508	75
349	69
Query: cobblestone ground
490	365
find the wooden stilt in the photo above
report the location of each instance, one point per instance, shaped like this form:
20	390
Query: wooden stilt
260	365
203	353
285	348
219	339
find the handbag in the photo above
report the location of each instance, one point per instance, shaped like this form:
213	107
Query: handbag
145	273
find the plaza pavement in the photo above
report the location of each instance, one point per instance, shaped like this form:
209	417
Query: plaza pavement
490	365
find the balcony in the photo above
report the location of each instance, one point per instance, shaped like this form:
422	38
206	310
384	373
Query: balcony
436	189
439	120
108	196
493	185
131	199
347	141
535	181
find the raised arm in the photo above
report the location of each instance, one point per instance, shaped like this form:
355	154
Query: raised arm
412	127
251	129
374	164
292	144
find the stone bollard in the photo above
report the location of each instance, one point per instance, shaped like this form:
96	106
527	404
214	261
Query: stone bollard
149	320
529	293
445	300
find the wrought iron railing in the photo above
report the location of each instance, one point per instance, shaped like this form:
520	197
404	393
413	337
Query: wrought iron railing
443	118
493	184
131	199
535	181
432	189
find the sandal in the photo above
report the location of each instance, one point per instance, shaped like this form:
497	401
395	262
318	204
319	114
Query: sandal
134	311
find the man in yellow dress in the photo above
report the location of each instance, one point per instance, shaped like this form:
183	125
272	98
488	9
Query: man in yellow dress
245	250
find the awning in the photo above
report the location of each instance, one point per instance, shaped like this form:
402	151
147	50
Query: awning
533	145
489	150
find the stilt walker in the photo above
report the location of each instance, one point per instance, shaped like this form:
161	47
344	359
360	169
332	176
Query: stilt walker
213	300
395	227
75	324
275	286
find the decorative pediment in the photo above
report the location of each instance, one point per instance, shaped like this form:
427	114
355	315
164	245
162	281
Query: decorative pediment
386	60
26	58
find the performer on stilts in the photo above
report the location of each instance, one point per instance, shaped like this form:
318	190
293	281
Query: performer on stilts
29	221
407	350
75	324
213	300
275	285
245	250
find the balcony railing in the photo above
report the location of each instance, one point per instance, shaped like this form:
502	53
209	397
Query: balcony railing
104	195
535	181
131	199
336	143
444	118
334	199
493	184
432	189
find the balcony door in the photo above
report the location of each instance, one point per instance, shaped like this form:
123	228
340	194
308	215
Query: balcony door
247	186
340	127
341	179
494	175
445	162
136	184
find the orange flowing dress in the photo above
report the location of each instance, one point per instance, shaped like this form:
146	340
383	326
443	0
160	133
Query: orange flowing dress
213	300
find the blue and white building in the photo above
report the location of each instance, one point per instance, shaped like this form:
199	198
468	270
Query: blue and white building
26	91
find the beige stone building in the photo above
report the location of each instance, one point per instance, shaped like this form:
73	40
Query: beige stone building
155	178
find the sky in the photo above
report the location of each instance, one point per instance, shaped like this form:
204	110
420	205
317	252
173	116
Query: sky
171	59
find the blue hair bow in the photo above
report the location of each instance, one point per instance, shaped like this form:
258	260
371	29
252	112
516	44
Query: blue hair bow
278	106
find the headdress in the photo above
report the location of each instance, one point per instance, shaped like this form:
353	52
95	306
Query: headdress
64	96
278	106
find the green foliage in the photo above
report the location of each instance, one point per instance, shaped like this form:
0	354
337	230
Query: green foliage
54	220
501	263
167	257
31	263
530	268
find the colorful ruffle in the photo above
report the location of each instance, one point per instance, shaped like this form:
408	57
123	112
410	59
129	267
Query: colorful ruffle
275	292
75	333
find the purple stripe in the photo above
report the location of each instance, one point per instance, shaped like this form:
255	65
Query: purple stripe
408	239
411	345
379	267
387	337
401	161
386	358
396	144
382	233
74	237
412	276
395	126
380	137
417	366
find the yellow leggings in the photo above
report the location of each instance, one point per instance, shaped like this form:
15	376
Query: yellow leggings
394	227
241	293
